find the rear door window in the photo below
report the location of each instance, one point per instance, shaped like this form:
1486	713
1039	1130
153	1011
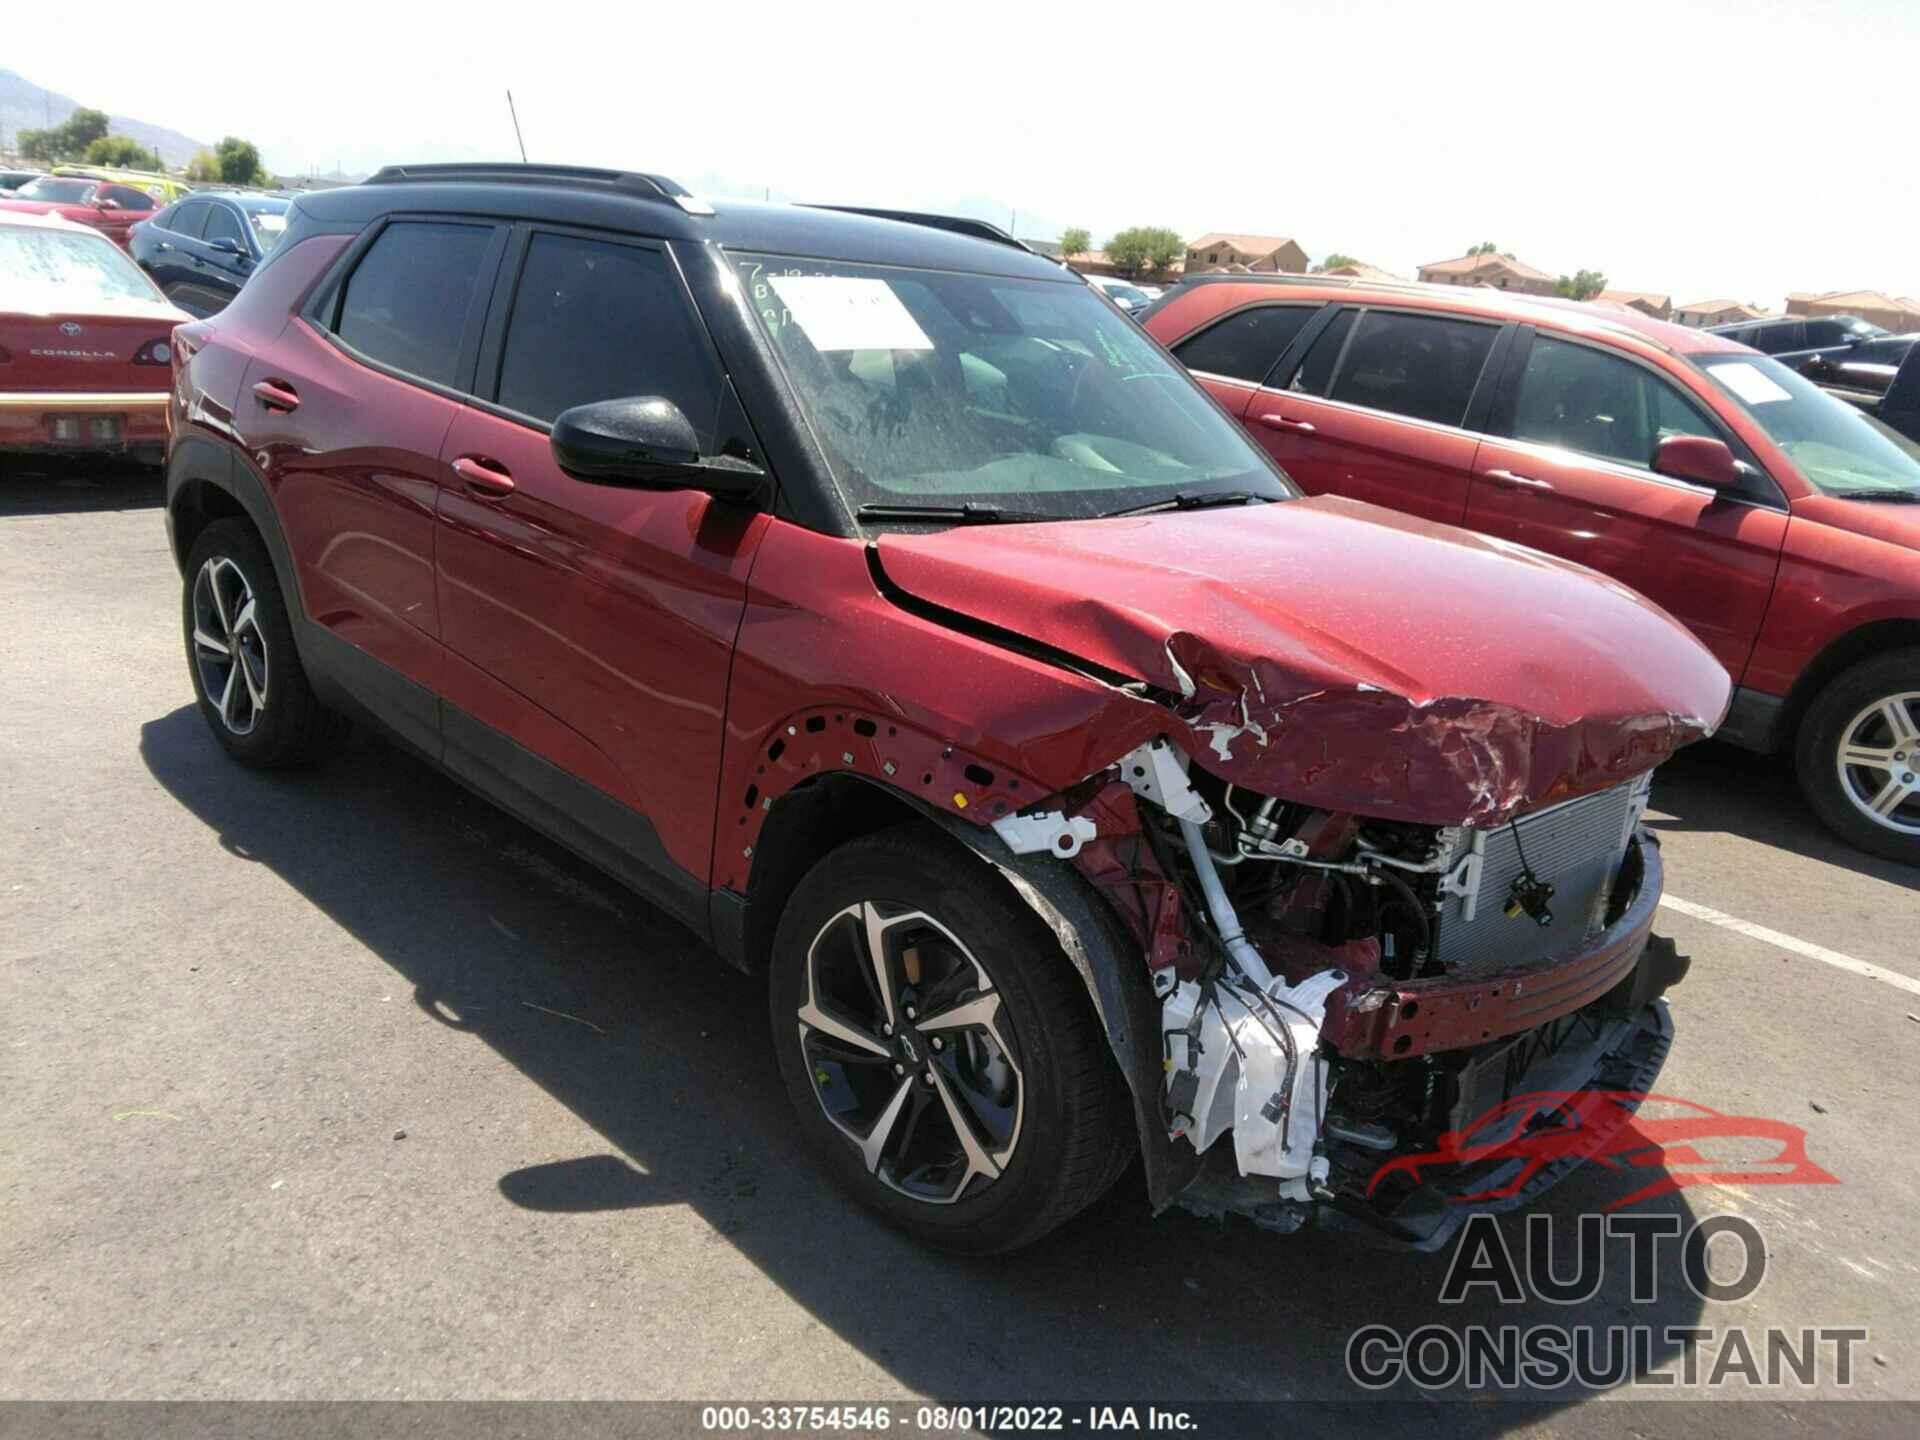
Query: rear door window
1317	368
1245	346
410	302
1775	339
189	218
593	320
1422	366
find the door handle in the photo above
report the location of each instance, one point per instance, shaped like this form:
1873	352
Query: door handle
1281	422
1517	482
276	395
486	476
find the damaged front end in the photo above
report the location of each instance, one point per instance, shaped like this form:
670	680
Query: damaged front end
1338	993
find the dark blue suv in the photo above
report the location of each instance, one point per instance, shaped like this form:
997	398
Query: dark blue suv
201	250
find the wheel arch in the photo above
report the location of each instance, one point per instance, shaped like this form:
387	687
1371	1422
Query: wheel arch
827	811
1841	654
209	481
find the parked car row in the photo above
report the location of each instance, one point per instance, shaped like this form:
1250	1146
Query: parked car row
1780	525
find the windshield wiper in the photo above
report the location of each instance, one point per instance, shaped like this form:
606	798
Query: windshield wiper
1189	500
970	513
1896	497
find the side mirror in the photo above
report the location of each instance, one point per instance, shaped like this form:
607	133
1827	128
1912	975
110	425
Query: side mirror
1698	460
645	441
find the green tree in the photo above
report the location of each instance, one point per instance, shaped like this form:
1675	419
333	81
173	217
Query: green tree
1075	241
119	150
204	166
1485	247
81	129
1334	262
1582	286
240	161
40	146
1143	248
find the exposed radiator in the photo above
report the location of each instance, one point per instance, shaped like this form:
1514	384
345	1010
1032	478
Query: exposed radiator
1577	847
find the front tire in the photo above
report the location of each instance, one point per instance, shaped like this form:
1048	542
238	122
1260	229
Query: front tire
939	1048
253	692
1858	756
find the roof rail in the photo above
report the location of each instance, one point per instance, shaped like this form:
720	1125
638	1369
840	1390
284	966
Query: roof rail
507	172
957	224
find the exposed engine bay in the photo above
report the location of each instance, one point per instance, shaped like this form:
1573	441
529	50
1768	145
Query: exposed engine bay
1338	994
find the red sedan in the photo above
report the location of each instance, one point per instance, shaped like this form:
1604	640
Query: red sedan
111	209
85	343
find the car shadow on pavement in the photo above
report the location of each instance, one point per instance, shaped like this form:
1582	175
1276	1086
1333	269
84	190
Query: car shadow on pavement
1715	788
34	486
624	1017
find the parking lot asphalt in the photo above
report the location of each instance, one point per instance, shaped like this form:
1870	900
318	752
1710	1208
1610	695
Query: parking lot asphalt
341	1084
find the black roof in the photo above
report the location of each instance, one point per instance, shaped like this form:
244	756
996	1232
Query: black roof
652	205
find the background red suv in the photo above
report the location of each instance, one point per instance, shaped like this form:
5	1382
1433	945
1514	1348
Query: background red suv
1777	522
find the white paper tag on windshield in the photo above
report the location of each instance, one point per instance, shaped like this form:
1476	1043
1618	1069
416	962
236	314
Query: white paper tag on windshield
1749	382
847	312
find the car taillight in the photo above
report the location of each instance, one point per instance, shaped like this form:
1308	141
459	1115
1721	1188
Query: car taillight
154	352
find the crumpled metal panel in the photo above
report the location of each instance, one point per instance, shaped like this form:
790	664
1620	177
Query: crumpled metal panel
1345	656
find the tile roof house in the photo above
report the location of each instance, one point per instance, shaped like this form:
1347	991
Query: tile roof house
1499	272
1266	254
1899	314
1702	313
1098	262
1360	270
1660	307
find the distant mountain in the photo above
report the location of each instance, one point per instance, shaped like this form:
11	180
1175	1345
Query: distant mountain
26	106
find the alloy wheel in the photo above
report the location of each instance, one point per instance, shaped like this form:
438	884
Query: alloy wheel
229	649
1879	762
902	1034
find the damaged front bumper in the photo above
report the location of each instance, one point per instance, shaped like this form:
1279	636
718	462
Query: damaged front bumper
1403	1019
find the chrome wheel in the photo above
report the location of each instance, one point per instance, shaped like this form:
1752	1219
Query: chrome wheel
229	650
901	1031
1879	762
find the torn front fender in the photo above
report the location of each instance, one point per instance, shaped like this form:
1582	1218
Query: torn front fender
1344	656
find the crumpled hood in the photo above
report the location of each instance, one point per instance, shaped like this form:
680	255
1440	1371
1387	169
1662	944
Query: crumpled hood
1351	657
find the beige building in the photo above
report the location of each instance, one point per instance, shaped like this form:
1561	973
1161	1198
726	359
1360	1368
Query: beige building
1360	270
1898	313
1498	272
1262	254
1702	313
1659	307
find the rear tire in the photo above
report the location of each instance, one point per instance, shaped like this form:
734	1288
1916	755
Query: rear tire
253	692
990	1029
1858	756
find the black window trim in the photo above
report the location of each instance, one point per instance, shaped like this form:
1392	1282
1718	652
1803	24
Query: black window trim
1508	400
322	310
1479	402
1216	321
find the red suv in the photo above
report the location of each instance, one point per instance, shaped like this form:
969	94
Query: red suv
1779	524
880	601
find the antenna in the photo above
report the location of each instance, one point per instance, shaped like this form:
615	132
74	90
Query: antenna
516	128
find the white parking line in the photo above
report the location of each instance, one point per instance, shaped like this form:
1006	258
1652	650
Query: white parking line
1787	942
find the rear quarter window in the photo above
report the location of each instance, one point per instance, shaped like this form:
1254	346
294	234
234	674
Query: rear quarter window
1246	345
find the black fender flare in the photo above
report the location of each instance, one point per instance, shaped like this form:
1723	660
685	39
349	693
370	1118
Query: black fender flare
1112	968
198	459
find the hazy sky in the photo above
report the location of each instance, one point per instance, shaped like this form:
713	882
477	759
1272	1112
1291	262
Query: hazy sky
1701	149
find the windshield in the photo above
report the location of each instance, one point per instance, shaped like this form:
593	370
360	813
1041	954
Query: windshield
1839	450
57	191
931	388
47	270
268	226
